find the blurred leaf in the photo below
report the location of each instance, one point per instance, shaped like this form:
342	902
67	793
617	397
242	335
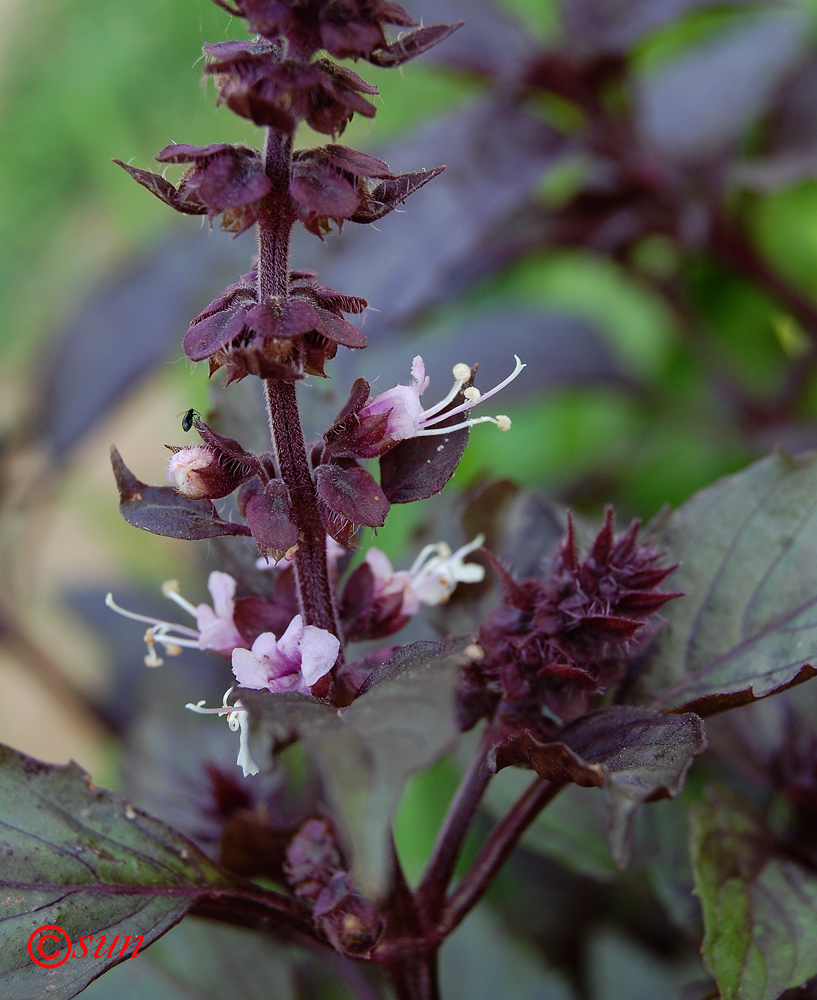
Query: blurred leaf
401	723
495	154
162	510
743	67
84	859
571	830
201	960
789	152
663	849
481	961
621	967
759	905
126	326
615	26
490	43
559	349
532	528
635	755
745	629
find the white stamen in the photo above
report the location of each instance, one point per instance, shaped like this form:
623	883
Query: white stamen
437	548
461	372
464	407
464	423
155	622
503	422
237	719
170	589
472	394
452	392
152	660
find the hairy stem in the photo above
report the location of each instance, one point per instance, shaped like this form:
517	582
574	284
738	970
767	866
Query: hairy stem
495	852
275	223
416	978
314	590
453	832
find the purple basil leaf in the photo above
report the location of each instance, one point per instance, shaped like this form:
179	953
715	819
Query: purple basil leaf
461	208
407	662
419	467
254	615
276	317
269	516
353	493
231	181
164	190
613	27
758	902
85	859
411	44
163	511
355	162
393	192
636	755
220	322
202	960
743	67
182	152
322	190
127	324
746	627
340	330
491	42
358	397
366	752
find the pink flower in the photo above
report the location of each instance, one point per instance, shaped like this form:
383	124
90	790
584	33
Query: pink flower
295	662
408	419
432	578
216	627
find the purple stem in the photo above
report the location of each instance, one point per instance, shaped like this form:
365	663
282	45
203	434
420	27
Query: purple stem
454	831
495	852
275	222
416	978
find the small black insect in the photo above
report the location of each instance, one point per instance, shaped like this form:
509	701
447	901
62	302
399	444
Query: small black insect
188	418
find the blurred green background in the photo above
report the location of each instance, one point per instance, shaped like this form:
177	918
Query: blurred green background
82	83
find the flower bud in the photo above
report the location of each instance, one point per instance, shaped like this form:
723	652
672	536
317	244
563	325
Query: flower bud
199	473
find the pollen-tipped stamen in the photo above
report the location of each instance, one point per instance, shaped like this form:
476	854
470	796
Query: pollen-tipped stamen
433	415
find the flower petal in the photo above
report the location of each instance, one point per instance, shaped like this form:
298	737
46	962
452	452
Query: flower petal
319	650
248	670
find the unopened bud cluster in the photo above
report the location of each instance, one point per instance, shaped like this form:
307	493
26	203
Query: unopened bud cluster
560	641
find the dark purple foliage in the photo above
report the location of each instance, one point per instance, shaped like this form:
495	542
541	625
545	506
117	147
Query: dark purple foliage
317	874
163	511
269	516
559	641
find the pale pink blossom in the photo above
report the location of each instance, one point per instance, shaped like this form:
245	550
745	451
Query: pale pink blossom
432	579
295	662
185	468
408	419
216	626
